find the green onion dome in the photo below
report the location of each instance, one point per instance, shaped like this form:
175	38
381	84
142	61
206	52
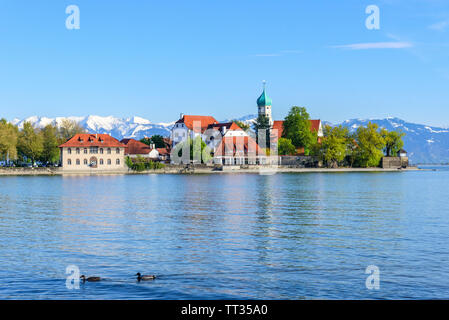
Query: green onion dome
263	100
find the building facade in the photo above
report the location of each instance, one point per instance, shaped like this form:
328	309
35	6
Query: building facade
92	152
189	126
134	148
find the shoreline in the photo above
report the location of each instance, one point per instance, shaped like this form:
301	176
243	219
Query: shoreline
5	172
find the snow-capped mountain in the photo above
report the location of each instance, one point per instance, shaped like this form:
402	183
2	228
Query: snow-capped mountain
424	144
249	119
135	127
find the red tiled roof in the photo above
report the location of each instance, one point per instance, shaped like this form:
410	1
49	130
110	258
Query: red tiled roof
279	126
204	121
135	147
163	151
92	140
243	145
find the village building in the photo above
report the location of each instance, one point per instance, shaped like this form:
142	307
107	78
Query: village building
239	150
99	152
134	148
189	126
229	143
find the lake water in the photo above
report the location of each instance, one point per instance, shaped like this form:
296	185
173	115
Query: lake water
230	236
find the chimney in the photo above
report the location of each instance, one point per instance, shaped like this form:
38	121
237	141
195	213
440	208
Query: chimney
181	115
152	146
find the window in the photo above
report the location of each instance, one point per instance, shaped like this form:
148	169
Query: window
69	150
85	161
101	150
69	162
85	150
77	162
93	150
109	150
77	150
117	161
101	161
117	150
109	161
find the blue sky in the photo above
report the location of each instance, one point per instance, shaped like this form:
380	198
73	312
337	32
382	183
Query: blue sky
156	59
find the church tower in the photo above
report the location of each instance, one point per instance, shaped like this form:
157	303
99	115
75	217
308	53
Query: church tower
264	105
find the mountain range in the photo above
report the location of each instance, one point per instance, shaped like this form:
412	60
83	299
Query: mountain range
424	144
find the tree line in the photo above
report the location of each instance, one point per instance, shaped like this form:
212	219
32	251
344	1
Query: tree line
31	144
338	147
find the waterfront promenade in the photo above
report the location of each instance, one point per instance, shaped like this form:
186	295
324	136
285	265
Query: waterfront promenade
190	170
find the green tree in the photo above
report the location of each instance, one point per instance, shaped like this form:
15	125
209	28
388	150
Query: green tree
129	163
262	123
50	152
69	128
157	139
370	145
8	140
351	148
297	129
285	147
333	145
393	141
30	142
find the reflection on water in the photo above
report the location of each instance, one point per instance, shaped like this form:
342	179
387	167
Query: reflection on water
283	236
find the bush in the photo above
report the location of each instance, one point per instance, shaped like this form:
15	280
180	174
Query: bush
141	164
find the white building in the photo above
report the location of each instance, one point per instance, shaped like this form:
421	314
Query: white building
92	152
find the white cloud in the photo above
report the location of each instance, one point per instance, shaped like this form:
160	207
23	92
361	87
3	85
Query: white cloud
375	45
439	26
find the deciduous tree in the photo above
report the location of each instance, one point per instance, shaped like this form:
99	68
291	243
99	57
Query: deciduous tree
50	152
69	128
297	129
8	140
393	141
370	145
30	142
285	147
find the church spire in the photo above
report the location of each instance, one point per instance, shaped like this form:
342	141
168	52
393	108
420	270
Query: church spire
264	104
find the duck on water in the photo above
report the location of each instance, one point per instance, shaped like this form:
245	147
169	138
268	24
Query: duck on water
90	279
144	277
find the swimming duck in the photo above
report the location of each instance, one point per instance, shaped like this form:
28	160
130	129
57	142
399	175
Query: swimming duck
145	277
90	279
